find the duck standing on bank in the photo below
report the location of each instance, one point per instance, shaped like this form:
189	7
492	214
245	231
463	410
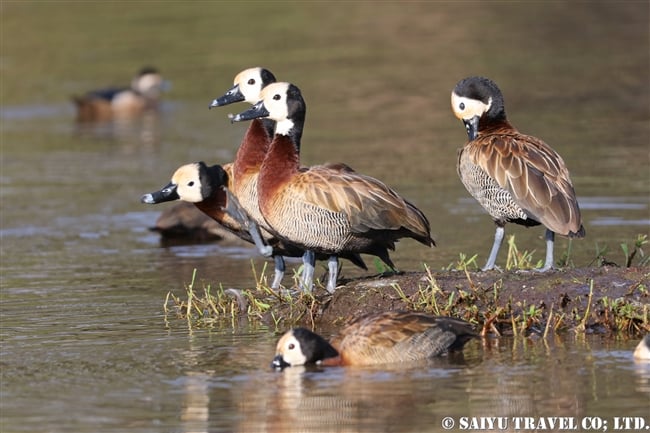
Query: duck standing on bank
209	188
248	85
515	177
376	338
326	209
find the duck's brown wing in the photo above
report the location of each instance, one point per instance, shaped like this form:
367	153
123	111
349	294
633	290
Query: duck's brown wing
400	337
534	175
367	202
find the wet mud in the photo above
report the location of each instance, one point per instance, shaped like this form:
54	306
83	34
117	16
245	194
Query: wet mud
607	300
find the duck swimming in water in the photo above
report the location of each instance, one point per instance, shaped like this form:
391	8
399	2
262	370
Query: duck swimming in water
122	102
376	338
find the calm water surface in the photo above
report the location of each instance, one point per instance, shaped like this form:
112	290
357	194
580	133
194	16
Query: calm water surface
85	344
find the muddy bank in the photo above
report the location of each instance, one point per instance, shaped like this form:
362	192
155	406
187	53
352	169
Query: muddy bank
606	300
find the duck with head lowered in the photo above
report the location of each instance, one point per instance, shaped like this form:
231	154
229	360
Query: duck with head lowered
517	178
376	338
327	209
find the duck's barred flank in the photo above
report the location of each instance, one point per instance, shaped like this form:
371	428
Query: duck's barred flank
329	208
248	85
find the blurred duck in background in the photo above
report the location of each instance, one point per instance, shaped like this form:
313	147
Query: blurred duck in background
184	224
122	102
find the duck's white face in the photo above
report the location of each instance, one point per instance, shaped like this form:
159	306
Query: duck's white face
465	108
188	183
148	84
289	350
249	82
274	97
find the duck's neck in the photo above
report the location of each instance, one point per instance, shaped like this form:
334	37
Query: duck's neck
269	127
214	204
491	126
281	163
253	148
328	355
282	160
333	361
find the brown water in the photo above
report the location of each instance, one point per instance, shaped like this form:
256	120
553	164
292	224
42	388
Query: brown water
85	346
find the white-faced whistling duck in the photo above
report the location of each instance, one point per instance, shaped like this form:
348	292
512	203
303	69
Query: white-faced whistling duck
376	338
247	87
121	102
515	177
328	209
209	189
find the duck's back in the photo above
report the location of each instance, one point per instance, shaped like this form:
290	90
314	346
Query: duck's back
332	208
394	337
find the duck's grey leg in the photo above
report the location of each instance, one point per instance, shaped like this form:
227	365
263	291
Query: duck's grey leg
333	271
548	263
254	230
498	239
279	272
308	264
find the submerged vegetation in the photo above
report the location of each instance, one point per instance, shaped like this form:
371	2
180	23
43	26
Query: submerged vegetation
607	299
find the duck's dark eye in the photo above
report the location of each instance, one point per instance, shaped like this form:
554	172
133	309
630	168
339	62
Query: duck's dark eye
251	81
461	106
292	346
276	97
190	183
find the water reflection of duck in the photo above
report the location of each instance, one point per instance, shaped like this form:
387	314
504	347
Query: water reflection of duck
376	338
642	351
185	223
209	189
515	177
247	87
121	102
329	209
